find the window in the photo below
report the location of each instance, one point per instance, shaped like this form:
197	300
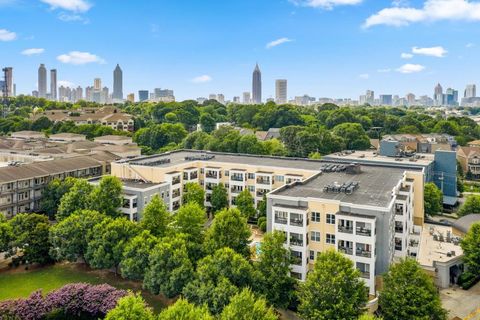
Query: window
251	188
315	236
330	218
279	178
312	255
227	173
281	217
330	238
296	239
315	216
251	176
202	170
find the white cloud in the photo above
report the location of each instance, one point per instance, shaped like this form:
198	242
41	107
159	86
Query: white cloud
384	70
438	52
32	51
406	55
6	35
325	4
277	42
202	79
364	76
66	83
432	10
78	58
411	68
470	45
66	17
69	5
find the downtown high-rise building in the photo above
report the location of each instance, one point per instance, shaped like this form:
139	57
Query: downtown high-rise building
470	91
370	97
7	83
142	95
79	93
53	84
257	85
42	81
246	98
438	95
281	91
386	100
117	83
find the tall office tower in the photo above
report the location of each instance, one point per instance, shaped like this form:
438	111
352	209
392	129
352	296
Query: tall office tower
89	93
104	95
451	97
386	100
212	96
221	98
142	95
438	95
257	85
236	99
97	84
246	98
79	94
163	93
8	84
470	91
281	91
53	84
42	81
117	83
370	96
410	99
62	94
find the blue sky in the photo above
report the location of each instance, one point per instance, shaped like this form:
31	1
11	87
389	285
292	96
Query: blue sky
325	48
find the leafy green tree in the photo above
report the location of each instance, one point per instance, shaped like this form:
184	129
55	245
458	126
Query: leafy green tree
77	198
274	266
224	139
367	316
183	310
433	199
197	140
41	123
69	237
229	229
354	135
249	144
136	255
333	289
409	293
169	268
246	204
131	307
107	197
30	232
207	122
155	217
471	205
471	249
52	194
315	155
246	306
219	198
274	147
108	241
262	207
218	278
6	234
194	193
189	222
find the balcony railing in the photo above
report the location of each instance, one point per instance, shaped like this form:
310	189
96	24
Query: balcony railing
281	220
175	181
176	206
345	250
363	231
296	222
211	175
364	253
296	242
235	190
261	193
345	229
296	261
263	181
399	212
364	274
399	229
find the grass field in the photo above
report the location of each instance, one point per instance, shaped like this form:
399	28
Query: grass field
18	282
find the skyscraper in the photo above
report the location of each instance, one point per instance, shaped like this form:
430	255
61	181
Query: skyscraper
257	85
438	95
97	84
281	91
370	97
53	84
79	93
42	81
246	98
117	83
386	100
142	95
470	91
8	72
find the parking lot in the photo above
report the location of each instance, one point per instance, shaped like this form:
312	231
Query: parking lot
464	304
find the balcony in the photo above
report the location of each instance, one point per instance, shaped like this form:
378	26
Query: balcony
364	274
261	192
363	253
265	181
345	229
176	193
237	177
281	220
175	181
398	229
345	250
296	242
363	231
296	222
235	189
210	186
176	206
212	175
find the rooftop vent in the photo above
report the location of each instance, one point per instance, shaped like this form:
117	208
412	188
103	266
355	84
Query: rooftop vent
353	168
333	167
347	187
200	157
152	163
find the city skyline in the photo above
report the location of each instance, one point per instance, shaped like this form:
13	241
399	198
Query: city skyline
167	48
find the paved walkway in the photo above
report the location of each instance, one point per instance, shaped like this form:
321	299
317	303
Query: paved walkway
464	304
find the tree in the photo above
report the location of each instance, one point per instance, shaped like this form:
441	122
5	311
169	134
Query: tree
218	278
433	199
52	194
30	232
274	266
194	193
183	310
471	249
131	307
274	147
136	255
108	241
246	306
219	199
333	289
409	293
354	135
249	144
169	268
207	122
229	229
70	236
6	234
77	198
246	204
107	197
315	155
155	217
189	222
471	205
41	123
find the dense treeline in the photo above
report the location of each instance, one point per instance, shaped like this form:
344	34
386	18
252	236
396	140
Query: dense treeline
309	130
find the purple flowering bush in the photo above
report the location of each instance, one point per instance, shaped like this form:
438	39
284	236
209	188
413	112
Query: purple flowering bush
77	300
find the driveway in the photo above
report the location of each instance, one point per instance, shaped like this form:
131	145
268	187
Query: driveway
464	304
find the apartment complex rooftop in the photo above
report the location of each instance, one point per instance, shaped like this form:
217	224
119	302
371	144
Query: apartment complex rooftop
374	186
372	157
438	244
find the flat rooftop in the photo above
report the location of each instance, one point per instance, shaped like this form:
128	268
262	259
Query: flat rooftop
372	157
431	249
137	184
375	185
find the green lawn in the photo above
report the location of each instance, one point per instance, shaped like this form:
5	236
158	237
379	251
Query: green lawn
20	283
